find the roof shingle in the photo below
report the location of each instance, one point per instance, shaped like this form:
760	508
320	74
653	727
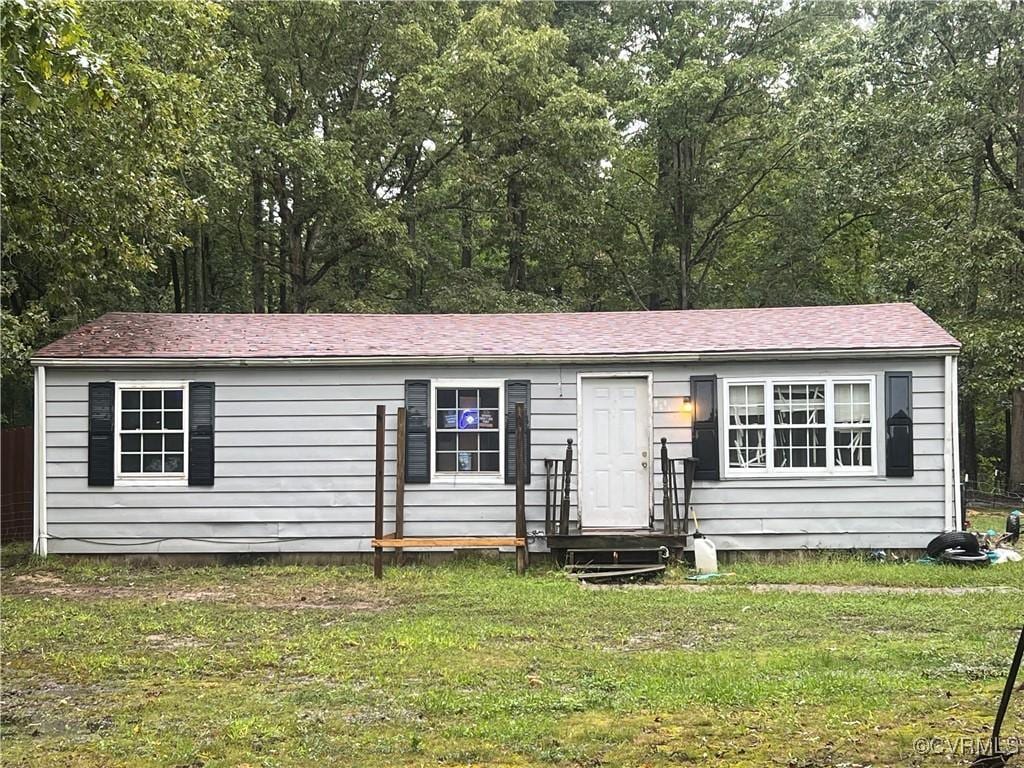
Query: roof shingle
219	336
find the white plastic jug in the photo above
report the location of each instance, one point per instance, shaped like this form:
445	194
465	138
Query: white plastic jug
705	556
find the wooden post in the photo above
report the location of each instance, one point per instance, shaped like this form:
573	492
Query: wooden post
521	552
689	470
549	499
563	522
378	498
400	485
666	489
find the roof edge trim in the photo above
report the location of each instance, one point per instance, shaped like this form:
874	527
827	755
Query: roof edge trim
665	357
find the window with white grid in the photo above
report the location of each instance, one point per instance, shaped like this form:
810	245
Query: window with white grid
467	430
790	426
798	415
852	424
747	429
150	422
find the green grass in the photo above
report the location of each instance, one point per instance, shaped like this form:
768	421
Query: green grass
854	571
989	518
468	664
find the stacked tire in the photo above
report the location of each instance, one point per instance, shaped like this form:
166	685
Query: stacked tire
957	548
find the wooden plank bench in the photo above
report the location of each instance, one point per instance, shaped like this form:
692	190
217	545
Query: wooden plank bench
398	541
389	541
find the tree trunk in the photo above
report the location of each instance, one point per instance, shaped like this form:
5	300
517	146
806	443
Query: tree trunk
1019	148
684	211
175	282
209	287
413	290
282	271
299	296
655	298
466	216
685	254
186	266
1007	437
199	269
517	231
259	301
465	238
1016	458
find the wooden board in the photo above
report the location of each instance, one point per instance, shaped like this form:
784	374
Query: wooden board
452	541
623	571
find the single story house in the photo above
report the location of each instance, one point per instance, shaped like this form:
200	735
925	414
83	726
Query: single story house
828	427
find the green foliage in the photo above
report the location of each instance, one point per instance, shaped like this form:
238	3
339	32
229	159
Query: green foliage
93	188
513	156
42	41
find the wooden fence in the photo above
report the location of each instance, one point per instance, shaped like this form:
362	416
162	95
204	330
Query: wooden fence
16	483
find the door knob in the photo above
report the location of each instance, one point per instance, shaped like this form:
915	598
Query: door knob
643	464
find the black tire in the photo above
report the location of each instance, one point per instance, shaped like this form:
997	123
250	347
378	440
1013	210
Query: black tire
960	557
1013	525
952	540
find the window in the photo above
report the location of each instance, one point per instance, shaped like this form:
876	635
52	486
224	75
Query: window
467	430
150	424
852	425
798	413
800	426
747	443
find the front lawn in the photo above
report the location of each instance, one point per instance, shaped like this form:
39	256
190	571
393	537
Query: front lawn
468	664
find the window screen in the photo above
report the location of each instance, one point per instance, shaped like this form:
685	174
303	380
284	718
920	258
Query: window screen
152	432
467	430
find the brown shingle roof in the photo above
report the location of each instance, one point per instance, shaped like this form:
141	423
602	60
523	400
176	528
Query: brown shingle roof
860	327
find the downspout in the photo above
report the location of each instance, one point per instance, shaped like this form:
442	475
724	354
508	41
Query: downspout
39	533
948	460
958	509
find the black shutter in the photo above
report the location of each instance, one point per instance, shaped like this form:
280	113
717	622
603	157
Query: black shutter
200	432
704	396
899	424
516	391
417	431
101	433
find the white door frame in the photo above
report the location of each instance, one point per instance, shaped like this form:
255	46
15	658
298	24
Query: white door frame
580	436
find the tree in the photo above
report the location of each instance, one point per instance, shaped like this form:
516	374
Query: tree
948	100
705	93
94	146
518	156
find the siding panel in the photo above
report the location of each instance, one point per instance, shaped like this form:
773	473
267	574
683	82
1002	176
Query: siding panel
295	466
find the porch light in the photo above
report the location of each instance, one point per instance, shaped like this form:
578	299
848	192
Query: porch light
687	404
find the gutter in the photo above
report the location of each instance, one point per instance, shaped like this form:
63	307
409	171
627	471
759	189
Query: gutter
397	360
949	444
39	532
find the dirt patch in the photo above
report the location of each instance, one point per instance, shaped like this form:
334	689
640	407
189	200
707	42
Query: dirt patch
674	638
38	579
315	597
656	640
50	708
816	589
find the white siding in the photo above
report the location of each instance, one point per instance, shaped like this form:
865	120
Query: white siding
295	466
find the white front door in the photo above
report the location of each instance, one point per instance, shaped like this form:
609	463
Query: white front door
615	449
